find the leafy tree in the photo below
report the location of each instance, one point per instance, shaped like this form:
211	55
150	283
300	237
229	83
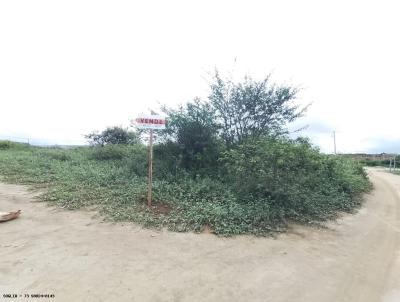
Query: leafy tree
233	114
114	136
251	109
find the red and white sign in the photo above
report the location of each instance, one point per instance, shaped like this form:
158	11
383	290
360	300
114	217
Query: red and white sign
150	122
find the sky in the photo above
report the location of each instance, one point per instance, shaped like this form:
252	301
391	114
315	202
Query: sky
68	68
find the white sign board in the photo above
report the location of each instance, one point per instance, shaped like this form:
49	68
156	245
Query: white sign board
150	122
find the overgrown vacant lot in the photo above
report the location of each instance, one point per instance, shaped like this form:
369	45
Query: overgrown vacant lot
257	188
226	164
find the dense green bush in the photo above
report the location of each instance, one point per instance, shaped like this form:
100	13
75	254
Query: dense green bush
114	136
6	144
294	178
233	114
193	134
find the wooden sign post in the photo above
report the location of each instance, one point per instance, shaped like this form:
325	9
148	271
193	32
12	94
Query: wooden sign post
152	122
150	177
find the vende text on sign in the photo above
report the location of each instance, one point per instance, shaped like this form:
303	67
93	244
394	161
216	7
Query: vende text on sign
150	122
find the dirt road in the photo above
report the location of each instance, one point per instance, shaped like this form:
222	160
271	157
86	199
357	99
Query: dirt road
76	257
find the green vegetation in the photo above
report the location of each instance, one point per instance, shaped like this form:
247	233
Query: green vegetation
5	144
220	164
375	163
113	135
264	186
378	162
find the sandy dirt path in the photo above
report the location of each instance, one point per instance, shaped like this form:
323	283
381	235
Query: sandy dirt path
76	257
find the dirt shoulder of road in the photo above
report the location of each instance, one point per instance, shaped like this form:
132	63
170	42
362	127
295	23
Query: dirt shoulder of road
77	257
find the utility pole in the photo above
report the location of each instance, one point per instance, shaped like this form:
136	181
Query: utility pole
334	142
394	163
